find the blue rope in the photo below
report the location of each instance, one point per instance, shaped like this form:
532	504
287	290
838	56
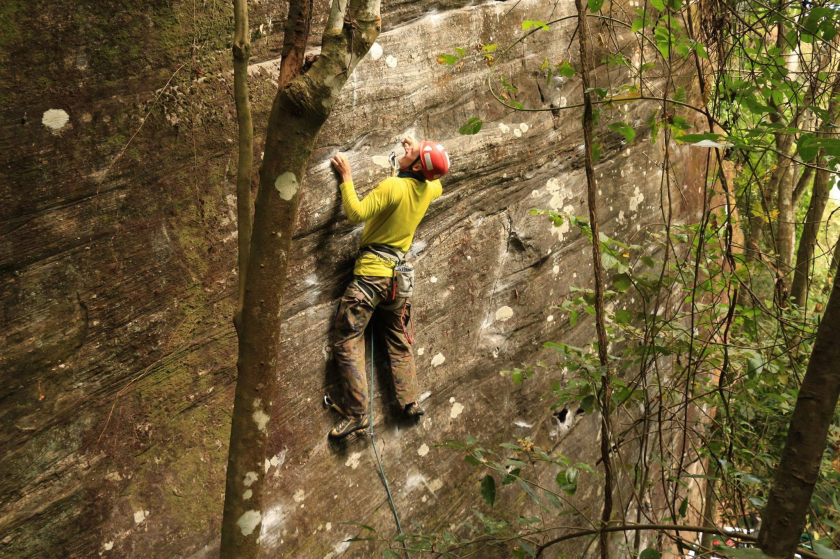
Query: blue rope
376	452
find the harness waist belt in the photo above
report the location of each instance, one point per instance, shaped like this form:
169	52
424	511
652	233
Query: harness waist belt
384	251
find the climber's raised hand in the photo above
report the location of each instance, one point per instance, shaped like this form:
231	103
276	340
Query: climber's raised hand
411	147
342	166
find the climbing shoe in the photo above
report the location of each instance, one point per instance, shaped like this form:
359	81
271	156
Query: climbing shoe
349	425
414	410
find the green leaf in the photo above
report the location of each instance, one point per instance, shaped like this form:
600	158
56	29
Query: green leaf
608	260
599	91
528	548
596	151
658	4
587	403
472	126
625	130
623	316
595	5
621	282
683	508
694	138
680	123
529	491
448	59
824	552
488	489
566	70
532	23
680	95
360	525
648	261
471	460
388	554
490	48
650	553
461	52
573	318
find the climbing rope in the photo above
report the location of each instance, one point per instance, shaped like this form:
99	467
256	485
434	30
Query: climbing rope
376	452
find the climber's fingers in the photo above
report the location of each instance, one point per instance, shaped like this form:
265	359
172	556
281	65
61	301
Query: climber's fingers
341	164
410	145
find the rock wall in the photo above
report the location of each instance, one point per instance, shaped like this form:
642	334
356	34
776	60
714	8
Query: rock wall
118	280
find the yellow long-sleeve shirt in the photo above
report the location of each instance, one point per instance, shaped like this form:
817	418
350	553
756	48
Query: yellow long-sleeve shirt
391	213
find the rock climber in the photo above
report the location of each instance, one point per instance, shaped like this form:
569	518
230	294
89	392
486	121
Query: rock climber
391	214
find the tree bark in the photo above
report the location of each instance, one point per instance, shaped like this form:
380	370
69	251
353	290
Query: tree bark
816	209
244	171
802	185
797	473
604	392
297	115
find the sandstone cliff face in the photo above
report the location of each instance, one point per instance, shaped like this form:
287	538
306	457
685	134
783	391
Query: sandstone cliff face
117	272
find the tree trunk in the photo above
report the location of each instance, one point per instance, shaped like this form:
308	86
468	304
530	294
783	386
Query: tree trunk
802	185
244	171
297	115
808	240
785	227
598	271
819	200
798	471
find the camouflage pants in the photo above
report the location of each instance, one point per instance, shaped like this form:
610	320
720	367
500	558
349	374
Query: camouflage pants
362	297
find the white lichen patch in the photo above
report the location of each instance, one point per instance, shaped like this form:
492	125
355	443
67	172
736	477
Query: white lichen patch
329	526
504	313
109	545
435	485
278	459
423	450
113	476
421	351
391	61
504	128
353	460
261	419
425	395
267	465
140	516
457	408
550	318
523	424
381	161
299	496
559	193
636	199
247	495
438	360
287	185
517	132
376	51
523	127
248	521
250	478
433	279
55	119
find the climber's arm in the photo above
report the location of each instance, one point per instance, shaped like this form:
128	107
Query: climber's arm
374	203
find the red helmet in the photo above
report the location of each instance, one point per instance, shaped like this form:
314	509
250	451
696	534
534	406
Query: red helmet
434	160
